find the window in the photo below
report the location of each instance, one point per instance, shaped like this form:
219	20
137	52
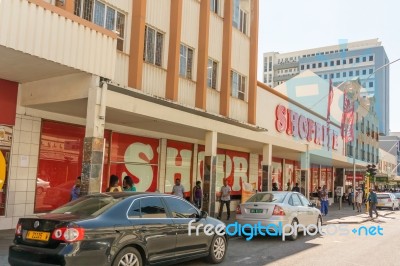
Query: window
357	72
344	61
350	73
371	84
332	76
337	75
325	64
364	72
351	61
212	74
371	58
332	63
370	71
344	74
214	6
357	60
319	64
364	59
185	63
304	200
302	67
295	201
180	209
239	17
308	66
153	46
325	76
243	21
313	65
104	16
152	207
337	62
238	84
134	211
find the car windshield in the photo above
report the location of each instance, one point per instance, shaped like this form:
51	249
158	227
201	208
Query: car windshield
267	197
88	206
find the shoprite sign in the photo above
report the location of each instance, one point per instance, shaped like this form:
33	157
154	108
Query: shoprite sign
299	126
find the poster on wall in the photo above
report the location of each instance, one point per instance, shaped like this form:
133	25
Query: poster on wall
179	166
323	178
289	176
276	172
329	180
232	165
136	157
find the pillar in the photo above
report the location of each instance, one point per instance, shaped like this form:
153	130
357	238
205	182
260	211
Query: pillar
94	142
305	173
210	171
266	168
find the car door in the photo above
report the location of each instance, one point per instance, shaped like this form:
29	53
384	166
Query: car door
183	214
310	213
153	227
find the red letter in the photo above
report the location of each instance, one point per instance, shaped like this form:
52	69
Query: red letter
311	129
318	133
280	122
303	128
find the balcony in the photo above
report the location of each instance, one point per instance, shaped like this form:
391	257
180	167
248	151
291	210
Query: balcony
44	41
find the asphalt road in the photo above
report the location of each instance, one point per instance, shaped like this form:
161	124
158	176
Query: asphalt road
352	249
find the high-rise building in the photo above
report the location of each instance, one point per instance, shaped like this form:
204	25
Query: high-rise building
339	63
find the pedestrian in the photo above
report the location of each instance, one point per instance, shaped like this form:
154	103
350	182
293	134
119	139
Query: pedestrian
288	186
324	201
274	187
359	199
350	195
197	194
373	200
178	189
113	186
128	184
296	188
225	199
76	189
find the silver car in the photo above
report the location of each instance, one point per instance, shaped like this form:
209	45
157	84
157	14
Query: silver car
387	200
279	208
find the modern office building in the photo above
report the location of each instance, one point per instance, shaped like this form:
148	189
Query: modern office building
339	63
391	144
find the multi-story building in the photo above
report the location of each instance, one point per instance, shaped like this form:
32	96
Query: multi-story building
155	89
338	63
391	144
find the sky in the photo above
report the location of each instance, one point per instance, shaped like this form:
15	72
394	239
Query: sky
291	25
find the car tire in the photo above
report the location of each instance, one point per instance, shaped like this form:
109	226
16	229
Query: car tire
128	256
318	224
295	234
217	250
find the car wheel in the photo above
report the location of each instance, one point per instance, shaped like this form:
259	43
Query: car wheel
217	250
294	235
318	224
39	190
129	256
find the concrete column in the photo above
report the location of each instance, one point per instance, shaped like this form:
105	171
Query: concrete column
210	171
94	143
305	173
266	168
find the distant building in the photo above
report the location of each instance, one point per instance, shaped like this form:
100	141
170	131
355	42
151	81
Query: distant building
339	63
391	144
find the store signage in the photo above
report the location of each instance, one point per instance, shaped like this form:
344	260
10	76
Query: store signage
298	125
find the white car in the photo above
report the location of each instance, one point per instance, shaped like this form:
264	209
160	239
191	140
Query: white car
276	208
387	200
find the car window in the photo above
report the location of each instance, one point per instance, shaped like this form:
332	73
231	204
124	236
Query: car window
296	200
304	200
383	196
180	208
152	207
267	197
134	210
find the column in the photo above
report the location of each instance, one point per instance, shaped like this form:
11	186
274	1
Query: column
94	142
266	167
253	62
305	173
210	171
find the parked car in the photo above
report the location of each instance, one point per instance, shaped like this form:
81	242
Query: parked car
387	200
124	228
397	195
278	207
41	185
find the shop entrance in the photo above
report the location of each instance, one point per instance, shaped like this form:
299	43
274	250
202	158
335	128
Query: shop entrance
4	163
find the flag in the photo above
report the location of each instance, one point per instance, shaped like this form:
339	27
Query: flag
330	99
347	129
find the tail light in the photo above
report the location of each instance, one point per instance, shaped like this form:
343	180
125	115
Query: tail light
278	211
68	234
18	229
238	210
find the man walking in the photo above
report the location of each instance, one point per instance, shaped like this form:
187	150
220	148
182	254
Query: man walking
225	200
324	201
373	200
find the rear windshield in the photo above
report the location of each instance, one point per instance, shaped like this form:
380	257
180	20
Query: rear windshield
397	195
88	206
268	197
383	196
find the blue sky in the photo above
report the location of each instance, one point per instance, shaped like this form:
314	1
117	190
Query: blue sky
290	25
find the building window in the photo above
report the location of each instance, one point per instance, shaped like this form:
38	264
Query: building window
325	76
337	62
371	84
357	60
212	74
364	72
357	72
337	75
153	46
185	63
238	84
351	61
332	76
239	17
371	58
319	65
325	64
313	65
344	61
308	66
214	6
103	15
370	71
364	59
302	67
350	73
332	63
344	74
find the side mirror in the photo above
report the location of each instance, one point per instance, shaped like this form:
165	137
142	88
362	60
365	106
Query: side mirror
313	205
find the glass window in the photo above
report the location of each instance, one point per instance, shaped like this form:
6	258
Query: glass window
268	197
338	75
99	13
152	207
364	72
180	208
351	61
308	66
332	63
325	64
371	58
302	67
214	6
153	46
236	13
371	84
370	71
185	63
295	200
344	74
344	61
357	60
364	59
134	211
325	76
313	65
238	85
357	72
304	200
110	19
319	64
332	76
337	62
350	73
212	74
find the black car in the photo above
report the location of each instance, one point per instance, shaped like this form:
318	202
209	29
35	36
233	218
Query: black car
126	228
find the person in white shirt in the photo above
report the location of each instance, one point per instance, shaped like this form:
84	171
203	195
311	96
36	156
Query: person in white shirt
178	189
225	199
359	199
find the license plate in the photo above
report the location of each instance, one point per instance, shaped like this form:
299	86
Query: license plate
35	235
256	211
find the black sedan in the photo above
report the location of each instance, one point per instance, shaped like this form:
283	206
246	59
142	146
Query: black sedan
118	229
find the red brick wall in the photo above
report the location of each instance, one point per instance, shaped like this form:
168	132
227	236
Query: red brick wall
8	101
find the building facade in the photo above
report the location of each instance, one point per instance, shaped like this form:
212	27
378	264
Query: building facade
391	144
338	63
155	89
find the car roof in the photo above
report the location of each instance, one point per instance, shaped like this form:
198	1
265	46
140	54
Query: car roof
127	194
